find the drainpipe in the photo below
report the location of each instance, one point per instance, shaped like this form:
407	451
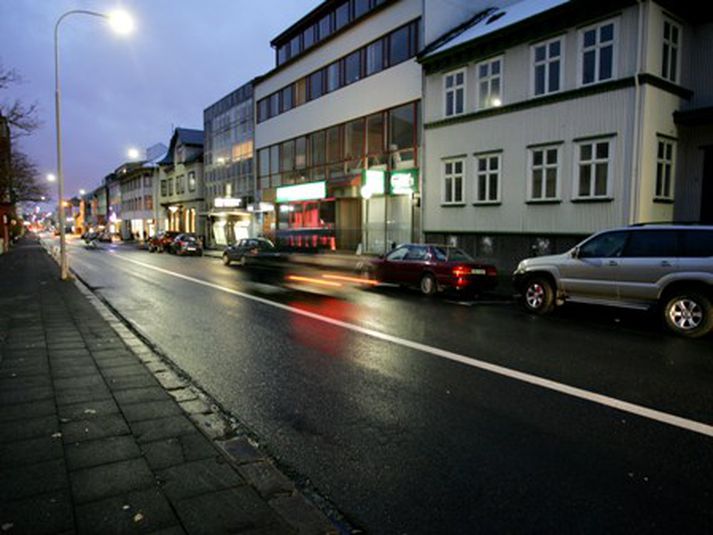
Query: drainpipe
638	103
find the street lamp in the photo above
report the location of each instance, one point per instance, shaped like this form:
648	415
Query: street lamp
121	23
51	178
82	191
133	154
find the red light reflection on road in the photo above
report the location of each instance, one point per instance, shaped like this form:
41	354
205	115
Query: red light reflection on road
320	336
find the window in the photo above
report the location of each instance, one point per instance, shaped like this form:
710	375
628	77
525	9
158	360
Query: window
179	185
352	67
544	173
697	243
597	46
170	186
263	157
317	141
453	182
375	133
606	245
651	244
308	37
300	91
341	16
454	91
397	254
286	95
487	178
334	78
274	104
334	144
287	154
671	43
360	8
164	189
593	169
315	85
547	67
490	83
375	57
402	128
262	114
325	26
399	46
282	55
354	139
275	164
192	181
301	152
418	253
664	168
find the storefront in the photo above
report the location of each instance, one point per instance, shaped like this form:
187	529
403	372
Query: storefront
228	221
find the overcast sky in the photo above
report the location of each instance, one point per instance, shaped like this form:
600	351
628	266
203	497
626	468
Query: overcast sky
120	92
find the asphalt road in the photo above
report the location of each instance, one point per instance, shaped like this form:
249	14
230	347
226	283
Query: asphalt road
388	411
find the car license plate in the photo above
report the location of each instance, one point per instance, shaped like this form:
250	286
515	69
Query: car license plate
190	248
478	271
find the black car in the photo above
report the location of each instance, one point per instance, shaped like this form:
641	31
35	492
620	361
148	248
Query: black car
245	247
186	244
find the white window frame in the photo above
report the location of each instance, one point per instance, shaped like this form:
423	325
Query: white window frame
544	167
546	62
673	48
610	169
487	156
597	47
454	89
452	175
489	79
663	163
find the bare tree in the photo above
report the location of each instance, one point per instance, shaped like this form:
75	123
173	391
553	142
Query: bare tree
24	182
21	117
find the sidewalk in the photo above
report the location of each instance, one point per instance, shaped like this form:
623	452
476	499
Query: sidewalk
98	435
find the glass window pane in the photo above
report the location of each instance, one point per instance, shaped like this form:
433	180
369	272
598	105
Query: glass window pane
459	101
585	180
275	159
286	98
480	194
554	76
308	37
375	133
555	49
317	152
325	26
287	151
551	184
495	67
603	150
449	103
540	53
401	128
590	37
459	78
295	46
493	192
483	70
606	62
354	139
375	57
334	144
652	244
263	162
333	76
342	16
301	152
588	67
552	156
458	167
449	168
352	67
600	184
300	94
315	85
448	183
537	183
585	152
494	163
458	187
360	7
606	33
398	46
539	80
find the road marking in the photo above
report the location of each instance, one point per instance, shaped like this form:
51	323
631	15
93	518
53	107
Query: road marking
600	399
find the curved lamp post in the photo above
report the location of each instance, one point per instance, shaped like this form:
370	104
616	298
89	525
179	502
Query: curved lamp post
121	23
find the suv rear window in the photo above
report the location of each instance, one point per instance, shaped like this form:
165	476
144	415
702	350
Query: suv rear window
697	243
652	244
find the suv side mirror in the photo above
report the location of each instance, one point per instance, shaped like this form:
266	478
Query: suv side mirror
575	253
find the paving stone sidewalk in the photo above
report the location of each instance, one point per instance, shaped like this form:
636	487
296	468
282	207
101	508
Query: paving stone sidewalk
94	439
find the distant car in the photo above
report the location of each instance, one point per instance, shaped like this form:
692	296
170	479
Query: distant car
186	244
433	268
245	247
161	241
669	267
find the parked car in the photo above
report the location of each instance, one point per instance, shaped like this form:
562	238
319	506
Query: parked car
161	241
669	267
186	244
433	268
238	251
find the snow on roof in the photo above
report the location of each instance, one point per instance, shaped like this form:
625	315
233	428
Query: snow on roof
501	18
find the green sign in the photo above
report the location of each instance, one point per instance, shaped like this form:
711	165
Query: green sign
301	192
403	182
372	182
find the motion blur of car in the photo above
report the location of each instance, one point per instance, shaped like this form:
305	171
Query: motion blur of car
186	244
161	241
238	251
434	268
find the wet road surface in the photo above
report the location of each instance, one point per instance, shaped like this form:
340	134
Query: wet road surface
373	408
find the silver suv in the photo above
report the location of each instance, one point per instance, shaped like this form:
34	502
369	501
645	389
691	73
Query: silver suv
665	266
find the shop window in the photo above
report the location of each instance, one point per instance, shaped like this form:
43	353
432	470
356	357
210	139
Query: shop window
375	133
334	144
317	152
287	153
354	139
301	152
402	127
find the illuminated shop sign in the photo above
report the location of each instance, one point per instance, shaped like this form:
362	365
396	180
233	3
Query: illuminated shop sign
404	182
372	183
302	192
226	202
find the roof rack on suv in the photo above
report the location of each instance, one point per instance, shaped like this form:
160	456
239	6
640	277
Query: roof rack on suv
647	223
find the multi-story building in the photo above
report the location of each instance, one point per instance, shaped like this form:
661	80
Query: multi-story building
112	182
545	121
228	166
97	212
337	133
180	189
137	194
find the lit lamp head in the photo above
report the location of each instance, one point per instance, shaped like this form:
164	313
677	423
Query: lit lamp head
133	154
82	191
121	22
51	178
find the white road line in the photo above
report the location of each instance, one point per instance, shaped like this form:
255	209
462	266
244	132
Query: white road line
600	399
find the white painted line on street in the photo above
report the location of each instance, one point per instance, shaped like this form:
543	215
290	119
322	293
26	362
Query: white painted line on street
600	399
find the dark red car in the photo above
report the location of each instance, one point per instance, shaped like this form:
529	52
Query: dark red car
434	268
162	241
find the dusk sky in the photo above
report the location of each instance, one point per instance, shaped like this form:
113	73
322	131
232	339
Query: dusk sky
129	91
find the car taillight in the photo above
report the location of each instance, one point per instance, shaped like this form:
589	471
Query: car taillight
490	271
461	271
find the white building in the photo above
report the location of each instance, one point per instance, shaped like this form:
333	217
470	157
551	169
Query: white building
547	120
341	105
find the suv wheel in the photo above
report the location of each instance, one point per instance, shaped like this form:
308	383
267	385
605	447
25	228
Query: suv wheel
539	296
689	314
428	284
226	259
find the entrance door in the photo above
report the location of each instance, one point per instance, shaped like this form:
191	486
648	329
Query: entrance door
707	187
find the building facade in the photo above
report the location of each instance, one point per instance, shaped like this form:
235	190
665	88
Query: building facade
337	132
547	121
229	166
180	184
